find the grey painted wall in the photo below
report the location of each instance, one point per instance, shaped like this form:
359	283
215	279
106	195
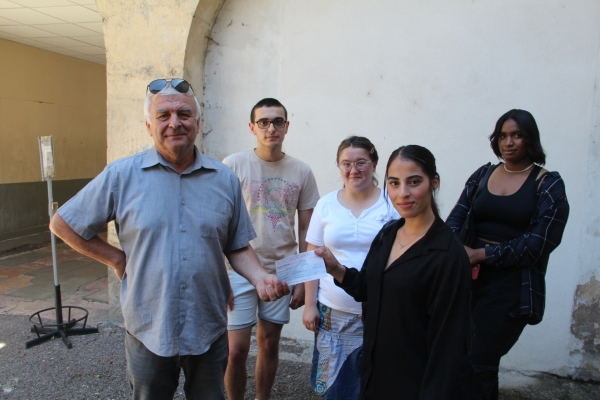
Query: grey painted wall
24	206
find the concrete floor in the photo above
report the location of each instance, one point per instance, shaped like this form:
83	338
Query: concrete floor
27	283
27	286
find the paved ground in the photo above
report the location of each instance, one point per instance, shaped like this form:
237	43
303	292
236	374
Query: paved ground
95	367
27	282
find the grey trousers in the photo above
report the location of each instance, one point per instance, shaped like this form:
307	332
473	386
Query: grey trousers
153	377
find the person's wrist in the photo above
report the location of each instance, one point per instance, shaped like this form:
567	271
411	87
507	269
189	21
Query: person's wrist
258	278
482	255
340	271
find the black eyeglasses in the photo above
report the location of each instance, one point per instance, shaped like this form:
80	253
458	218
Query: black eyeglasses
265	123
181	85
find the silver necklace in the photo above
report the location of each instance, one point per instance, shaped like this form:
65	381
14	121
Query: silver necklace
403	245
518	172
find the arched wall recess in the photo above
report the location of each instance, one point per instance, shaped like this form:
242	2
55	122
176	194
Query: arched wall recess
147	40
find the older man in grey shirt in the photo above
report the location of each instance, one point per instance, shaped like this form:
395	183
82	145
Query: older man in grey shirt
177	212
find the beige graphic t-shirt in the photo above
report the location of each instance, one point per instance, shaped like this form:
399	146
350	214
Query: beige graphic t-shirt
273	191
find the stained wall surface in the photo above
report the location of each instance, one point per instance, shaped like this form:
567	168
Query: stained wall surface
43	94
438	74
147	40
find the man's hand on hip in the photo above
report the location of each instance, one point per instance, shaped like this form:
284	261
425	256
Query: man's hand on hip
119	267
95	247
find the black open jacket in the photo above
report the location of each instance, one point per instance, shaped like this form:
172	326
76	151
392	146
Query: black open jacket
530	251
416	315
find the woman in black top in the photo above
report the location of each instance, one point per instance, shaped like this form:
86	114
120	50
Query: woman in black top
414	289
519	212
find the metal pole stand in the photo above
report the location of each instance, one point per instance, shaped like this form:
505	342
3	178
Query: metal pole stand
60	329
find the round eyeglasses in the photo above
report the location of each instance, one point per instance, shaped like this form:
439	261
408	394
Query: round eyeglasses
360	165
278	123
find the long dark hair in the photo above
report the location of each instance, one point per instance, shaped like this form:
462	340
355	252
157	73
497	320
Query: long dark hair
424	159
360	142
530	131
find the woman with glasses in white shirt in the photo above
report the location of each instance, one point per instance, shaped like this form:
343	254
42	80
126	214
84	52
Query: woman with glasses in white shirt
346	221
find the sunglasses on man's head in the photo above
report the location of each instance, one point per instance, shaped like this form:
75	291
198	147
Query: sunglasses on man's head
181	85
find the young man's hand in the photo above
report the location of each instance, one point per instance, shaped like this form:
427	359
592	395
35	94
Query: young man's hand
297	300
230	299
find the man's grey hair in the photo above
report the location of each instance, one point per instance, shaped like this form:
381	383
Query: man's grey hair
169	90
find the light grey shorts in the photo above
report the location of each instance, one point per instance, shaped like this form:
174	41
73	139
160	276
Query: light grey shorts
246	304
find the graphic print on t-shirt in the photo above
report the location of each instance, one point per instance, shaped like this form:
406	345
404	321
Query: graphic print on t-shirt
274	198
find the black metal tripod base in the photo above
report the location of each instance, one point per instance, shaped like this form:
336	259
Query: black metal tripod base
59	333
60	329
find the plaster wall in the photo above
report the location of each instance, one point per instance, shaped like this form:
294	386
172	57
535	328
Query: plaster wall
585	347
46	94
438	74
147	40
42	94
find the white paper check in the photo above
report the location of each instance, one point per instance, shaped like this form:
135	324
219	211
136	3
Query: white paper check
300	268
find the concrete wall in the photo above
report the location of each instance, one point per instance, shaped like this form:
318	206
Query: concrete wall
147	40
43	94
438	74
585	328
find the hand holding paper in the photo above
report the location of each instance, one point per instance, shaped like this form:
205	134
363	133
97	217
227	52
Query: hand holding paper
300	268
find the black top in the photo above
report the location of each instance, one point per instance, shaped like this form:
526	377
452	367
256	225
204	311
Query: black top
529	252
502	218
416	315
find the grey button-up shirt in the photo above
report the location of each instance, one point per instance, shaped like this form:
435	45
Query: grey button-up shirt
174	230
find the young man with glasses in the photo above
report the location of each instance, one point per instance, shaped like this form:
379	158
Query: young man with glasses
177	212
275	185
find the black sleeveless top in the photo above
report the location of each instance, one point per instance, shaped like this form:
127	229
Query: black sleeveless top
501	218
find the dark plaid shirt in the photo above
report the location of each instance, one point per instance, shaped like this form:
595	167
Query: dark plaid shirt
530	251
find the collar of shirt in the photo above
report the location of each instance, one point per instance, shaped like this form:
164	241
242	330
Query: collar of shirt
153	157
436	238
